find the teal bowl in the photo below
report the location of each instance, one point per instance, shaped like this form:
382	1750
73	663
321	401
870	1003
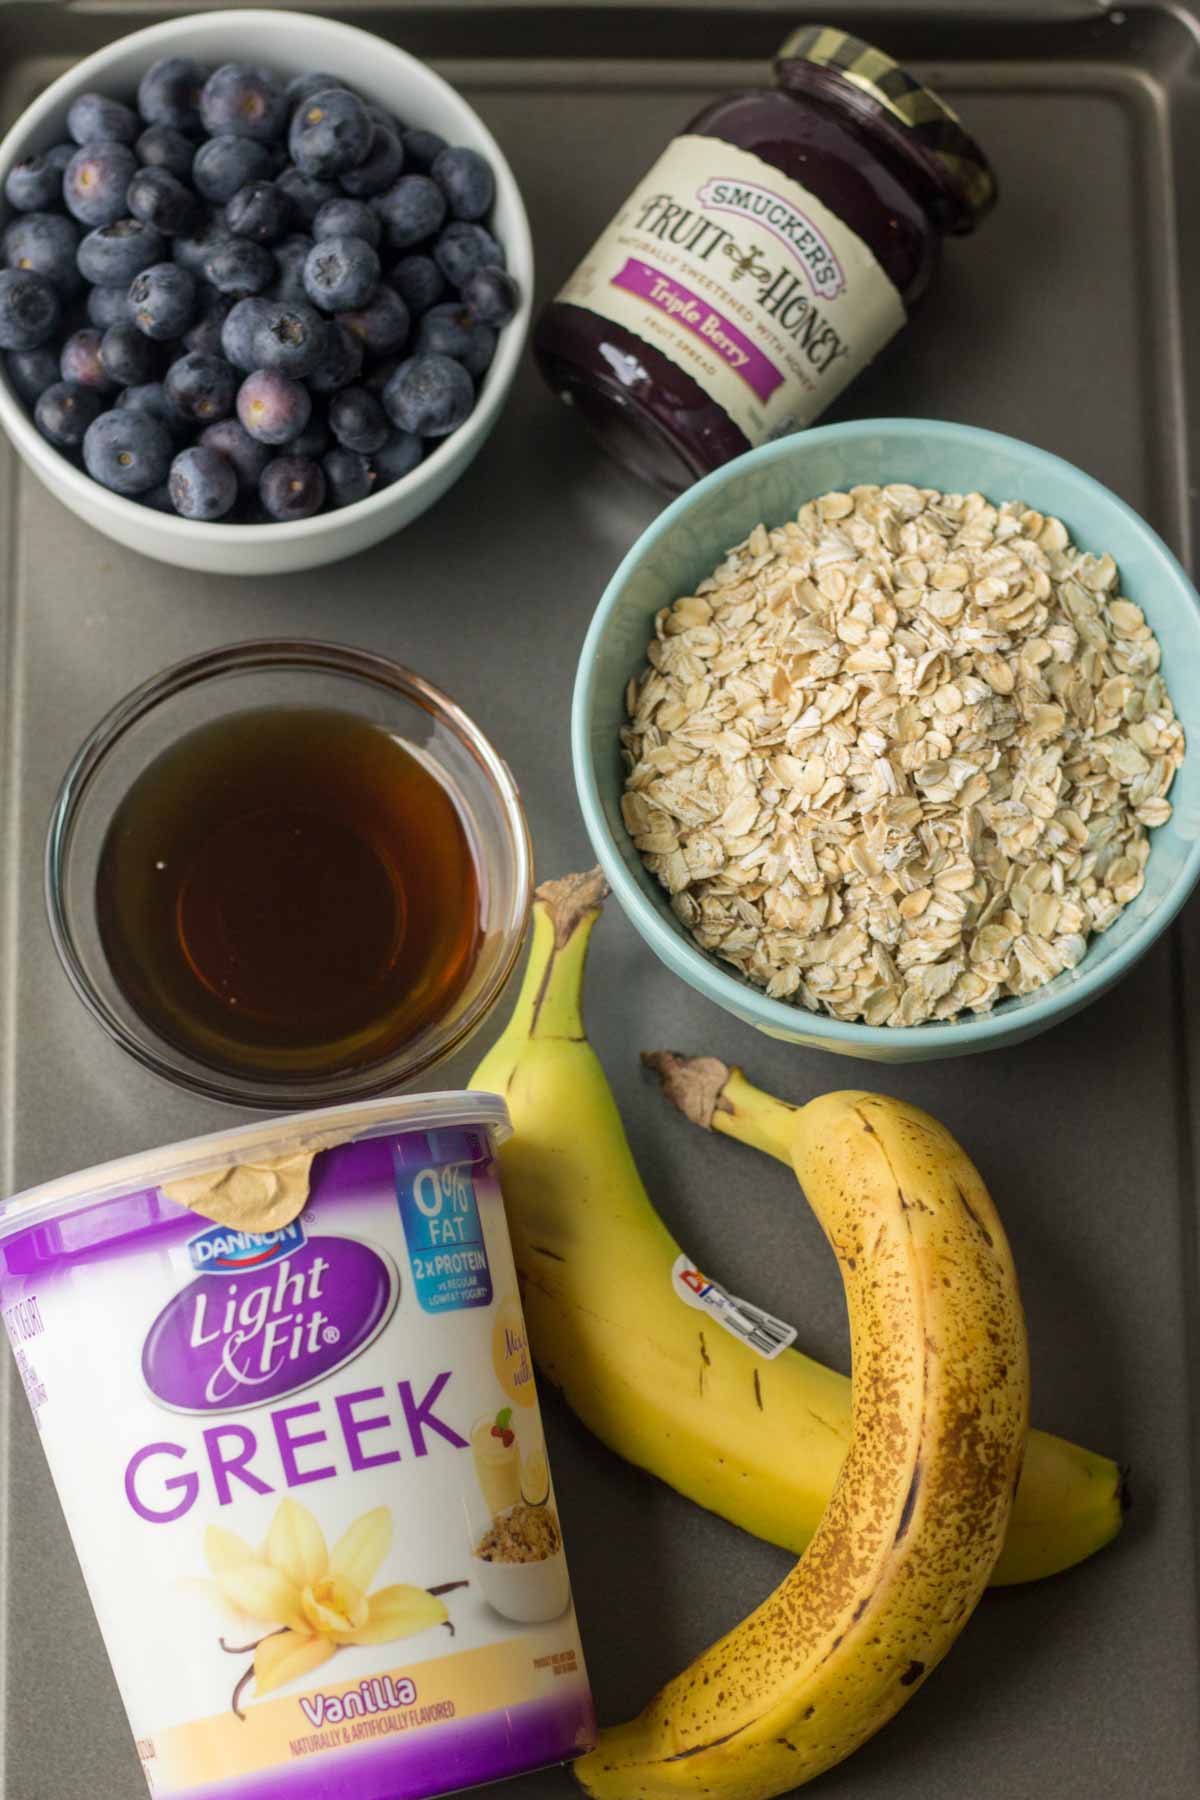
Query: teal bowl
769	484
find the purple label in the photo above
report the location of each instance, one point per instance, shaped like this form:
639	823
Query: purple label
226	1343
688	309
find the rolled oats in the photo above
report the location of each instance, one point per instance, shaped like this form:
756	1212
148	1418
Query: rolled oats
896	758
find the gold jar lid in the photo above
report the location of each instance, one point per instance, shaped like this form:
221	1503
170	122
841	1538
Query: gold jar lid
932	125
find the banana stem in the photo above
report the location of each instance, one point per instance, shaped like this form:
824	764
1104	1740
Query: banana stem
564	912
718	1098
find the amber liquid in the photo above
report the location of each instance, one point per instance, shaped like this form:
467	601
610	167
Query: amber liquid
289	891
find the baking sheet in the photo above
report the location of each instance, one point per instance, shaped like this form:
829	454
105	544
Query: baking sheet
1062	322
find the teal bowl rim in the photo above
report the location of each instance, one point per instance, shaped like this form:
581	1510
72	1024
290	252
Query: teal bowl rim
691	963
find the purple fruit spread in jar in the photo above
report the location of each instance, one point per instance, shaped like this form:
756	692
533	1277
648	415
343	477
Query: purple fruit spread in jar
766	258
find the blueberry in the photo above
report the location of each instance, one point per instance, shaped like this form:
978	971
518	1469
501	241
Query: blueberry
313	81
79	361
419	283
94	119
450	330
33	184
467	181
245	455
380	373
478	359
347	218
272	407
29	309
341	364
161	300
430	395
398	457
347	476
422	149
207	332
330	133
379	168
169	93
127	451
462	248
151	397
127	355
247	102
158	498
107	306
387	121
96	180
161	200
201	387
238	331
162	147
113	254
240	267
292	487
64	411
306	194
358	421
491	296
290	258
293	338
382	323
313	441
202	484
32	371
412	210
224	164
341	273
193	247
260	211
45	243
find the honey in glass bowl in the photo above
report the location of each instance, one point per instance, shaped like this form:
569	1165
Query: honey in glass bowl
289	888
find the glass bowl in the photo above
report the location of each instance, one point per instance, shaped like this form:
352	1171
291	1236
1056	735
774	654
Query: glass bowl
287	673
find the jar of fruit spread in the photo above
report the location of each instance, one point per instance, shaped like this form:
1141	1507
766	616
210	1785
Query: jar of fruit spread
767	257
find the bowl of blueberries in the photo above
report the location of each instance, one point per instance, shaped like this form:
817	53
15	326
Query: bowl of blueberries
265	284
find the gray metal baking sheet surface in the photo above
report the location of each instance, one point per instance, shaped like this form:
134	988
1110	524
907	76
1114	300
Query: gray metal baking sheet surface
1062	322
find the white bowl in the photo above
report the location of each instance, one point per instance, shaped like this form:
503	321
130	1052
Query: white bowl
528	1593
289	42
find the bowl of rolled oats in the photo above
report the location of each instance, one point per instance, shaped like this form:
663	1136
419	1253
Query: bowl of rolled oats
881	735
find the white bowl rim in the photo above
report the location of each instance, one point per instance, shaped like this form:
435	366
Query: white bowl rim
518	246
781	1019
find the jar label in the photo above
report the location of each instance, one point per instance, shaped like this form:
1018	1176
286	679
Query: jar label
746	281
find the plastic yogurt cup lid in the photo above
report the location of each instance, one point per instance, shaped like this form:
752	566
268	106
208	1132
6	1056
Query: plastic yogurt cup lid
268	1138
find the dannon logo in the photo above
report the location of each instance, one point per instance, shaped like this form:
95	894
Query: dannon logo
218	1251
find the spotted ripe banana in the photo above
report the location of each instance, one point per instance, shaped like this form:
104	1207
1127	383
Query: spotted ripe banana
919	1511
759	1442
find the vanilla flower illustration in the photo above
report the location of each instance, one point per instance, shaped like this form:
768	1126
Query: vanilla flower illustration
316	1599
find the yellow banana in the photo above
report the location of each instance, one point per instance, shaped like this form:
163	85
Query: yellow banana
919	1512
759	1442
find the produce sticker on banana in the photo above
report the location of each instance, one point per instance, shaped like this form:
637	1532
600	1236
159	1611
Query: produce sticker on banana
313	1509
760	1330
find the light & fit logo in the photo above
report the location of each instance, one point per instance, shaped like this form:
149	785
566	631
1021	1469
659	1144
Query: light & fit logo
771	212
220	1251
286	1312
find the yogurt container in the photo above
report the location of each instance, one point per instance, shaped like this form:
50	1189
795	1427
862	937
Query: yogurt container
302	1462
